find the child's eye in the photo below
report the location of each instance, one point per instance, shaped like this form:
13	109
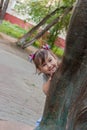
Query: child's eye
50	60
44	64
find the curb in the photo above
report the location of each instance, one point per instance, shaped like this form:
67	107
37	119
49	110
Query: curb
12	40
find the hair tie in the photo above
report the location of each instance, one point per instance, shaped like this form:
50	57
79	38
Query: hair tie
47	47
31	57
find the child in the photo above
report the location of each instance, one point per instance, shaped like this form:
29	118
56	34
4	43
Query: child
47	63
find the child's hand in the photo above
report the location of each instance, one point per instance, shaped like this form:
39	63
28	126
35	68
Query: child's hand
50	76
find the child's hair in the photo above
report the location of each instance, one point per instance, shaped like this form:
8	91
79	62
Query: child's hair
40	56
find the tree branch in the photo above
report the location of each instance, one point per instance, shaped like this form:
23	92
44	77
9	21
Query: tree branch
47	28
43	21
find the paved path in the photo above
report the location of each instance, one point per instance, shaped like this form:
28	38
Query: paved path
6	125
21	96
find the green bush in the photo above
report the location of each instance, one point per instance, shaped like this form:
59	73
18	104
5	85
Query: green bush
58	51
36	43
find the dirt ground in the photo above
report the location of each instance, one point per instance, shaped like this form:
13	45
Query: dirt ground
21	98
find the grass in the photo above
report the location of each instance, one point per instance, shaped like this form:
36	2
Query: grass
17	32
58	51
12	29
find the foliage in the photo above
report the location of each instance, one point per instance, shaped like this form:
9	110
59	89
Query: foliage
62	25
58	51
38	9
35	9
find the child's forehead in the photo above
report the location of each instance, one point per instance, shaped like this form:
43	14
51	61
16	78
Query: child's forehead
42	55
49	55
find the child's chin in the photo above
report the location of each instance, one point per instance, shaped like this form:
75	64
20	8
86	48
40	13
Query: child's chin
53	71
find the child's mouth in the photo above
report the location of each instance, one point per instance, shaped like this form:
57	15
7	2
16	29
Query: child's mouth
53	69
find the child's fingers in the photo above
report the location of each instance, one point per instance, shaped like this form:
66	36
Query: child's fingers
51	74
50	78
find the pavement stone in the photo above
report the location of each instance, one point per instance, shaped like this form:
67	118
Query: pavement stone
21	96
9	125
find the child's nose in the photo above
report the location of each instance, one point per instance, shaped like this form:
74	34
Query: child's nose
49	65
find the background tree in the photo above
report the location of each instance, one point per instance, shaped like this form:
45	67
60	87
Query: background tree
1	4
3	8
56	20
45	13
66	103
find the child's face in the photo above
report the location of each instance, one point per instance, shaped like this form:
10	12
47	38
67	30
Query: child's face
50	65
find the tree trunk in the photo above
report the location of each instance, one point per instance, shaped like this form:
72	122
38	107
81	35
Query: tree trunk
55	21
1	5
3	10
23	39
66	104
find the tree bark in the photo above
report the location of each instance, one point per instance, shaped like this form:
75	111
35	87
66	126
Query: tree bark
3	10
1	4
66	103
55	21
43	21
